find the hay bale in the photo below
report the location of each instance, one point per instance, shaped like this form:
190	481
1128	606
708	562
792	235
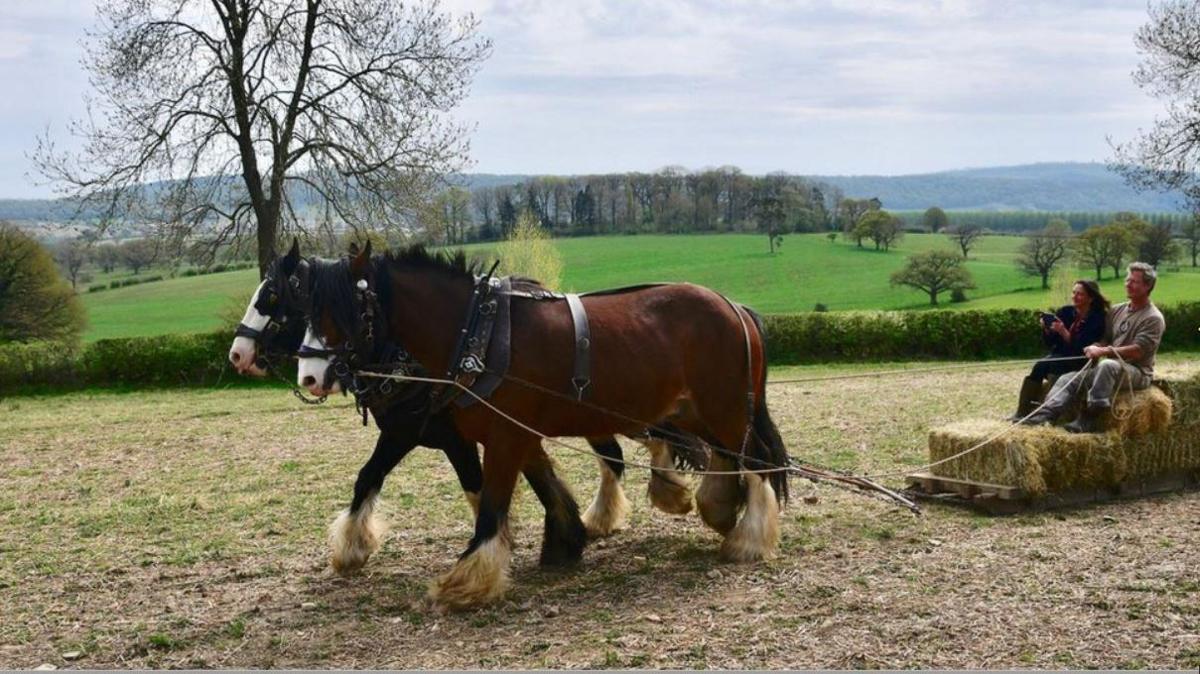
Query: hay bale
1142	441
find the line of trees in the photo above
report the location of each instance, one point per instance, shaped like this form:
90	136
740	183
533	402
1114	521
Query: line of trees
677	201
1026	221
670	201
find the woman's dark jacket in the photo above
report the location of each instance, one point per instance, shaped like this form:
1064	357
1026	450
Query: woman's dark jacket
1088	331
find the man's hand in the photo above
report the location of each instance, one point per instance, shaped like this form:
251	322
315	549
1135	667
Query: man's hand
1094	351
1061	329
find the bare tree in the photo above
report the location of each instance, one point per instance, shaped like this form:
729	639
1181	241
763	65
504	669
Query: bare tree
107	256
225	118
1043	250
71	256
138	254
1167	156
965	237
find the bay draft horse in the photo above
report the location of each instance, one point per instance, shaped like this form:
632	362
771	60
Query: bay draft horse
273	328
678	355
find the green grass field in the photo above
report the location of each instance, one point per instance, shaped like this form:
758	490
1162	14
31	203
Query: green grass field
809	269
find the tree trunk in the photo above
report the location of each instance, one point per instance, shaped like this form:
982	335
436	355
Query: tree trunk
1045	280
933	297
267	228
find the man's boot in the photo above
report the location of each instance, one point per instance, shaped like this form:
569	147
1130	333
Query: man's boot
1091	420
1030	398
1040	417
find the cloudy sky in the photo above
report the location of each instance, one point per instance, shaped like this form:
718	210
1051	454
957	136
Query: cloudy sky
808	87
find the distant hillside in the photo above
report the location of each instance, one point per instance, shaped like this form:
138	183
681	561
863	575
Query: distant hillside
1032	187
1037	187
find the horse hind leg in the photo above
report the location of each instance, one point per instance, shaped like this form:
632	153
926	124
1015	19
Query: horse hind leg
756	534
609	510
564	536
667	490
720	496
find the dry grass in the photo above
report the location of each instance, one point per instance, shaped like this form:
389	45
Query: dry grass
187	529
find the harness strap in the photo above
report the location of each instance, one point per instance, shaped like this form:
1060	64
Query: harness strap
582	376
244	330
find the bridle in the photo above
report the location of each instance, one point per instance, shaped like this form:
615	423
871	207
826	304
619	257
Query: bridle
282	299
363	353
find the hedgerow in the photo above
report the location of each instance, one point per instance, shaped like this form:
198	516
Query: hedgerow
200	359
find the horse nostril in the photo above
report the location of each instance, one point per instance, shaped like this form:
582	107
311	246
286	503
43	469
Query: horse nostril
235	356
309	380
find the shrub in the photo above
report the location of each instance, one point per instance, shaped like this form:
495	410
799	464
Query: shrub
41	363
97	288
958	295
820	307
197	359
36	303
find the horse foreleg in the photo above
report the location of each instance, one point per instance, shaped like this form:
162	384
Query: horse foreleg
481	574
609	509
565	536
667	490
358	531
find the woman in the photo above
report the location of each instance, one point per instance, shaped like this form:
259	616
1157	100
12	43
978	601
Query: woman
1073	327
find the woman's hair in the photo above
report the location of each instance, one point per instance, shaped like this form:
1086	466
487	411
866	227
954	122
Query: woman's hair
1099	301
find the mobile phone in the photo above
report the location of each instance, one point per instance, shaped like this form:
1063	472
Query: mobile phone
1048	319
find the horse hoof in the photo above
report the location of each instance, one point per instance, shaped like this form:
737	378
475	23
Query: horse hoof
668	495
479	578
353	538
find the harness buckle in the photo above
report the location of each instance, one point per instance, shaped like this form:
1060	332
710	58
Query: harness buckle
471	363
580	385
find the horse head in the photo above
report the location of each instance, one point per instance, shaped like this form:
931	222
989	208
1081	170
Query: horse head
274	317
340	330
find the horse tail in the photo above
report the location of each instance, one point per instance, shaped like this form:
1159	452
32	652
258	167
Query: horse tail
766	444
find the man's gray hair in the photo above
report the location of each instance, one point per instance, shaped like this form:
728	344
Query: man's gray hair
1148	273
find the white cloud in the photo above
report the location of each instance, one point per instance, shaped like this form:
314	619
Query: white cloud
807	86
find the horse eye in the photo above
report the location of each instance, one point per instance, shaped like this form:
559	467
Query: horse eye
272	298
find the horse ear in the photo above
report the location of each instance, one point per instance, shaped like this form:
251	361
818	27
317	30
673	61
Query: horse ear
293	254
361	262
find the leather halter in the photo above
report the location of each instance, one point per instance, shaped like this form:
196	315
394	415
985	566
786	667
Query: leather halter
362	352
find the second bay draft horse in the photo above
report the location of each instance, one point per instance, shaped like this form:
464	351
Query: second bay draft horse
678	355
272	329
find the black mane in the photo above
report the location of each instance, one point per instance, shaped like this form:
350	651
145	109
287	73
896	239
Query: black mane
417	256
333	294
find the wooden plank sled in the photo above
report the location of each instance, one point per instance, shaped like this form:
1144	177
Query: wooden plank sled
998	499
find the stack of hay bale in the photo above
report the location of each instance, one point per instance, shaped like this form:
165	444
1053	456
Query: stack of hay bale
1152	435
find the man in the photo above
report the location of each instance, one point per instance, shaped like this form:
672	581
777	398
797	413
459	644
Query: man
1133	332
